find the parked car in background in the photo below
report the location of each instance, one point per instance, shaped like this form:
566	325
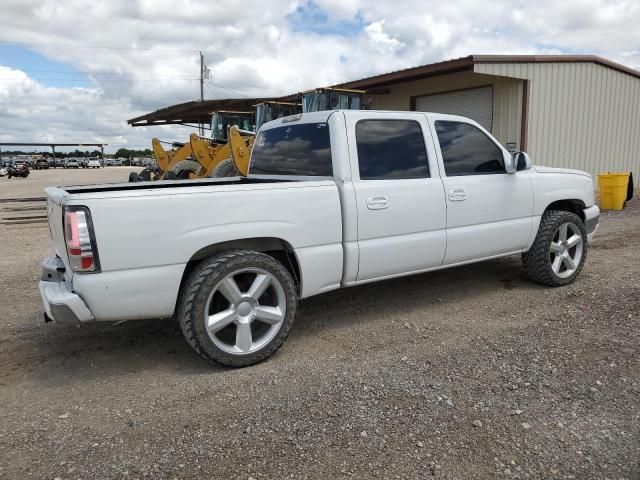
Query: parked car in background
71	163
41	164
19	169
332	199
93	163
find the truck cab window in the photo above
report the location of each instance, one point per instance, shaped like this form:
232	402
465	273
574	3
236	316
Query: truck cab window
466	150
391	149
297	149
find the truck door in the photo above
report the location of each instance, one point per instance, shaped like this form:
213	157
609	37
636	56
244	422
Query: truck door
399	194
489	211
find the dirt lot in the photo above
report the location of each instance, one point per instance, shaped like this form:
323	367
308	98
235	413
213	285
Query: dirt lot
468	373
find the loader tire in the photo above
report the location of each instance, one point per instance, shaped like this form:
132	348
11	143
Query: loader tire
184	168
226	168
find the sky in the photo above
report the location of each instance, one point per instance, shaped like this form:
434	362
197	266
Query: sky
76	70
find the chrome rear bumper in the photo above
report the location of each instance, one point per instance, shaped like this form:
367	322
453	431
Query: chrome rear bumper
60	302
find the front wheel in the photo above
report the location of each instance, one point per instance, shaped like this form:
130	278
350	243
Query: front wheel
237	308
559	250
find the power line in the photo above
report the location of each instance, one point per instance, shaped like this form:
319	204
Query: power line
87	72
210	90
47	44
107	80
227	89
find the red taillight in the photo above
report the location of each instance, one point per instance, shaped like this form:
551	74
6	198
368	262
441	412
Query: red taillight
77	233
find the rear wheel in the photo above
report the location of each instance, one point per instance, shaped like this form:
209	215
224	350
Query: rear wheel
559	251
237	308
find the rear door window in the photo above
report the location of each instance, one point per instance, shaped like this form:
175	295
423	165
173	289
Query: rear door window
301	149
391	149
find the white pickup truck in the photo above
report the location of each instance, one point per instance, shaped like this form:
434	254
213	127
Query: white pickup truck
333	199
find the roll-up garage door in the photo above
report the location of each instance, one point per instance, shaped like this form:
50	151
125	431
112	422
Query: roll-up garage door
475	103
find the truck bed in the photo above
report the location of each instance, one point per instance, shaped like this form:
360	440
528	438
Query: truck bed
147	232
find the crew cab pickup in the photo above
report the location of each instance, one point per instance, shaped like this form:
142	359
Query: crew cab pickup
332	199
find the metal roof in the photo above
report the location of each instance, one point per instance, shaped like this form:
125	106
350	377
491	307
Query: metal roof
200	111
194	112
467	63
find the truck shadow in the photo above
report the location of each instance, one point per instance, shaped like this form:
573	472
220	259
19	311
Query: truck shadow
63	354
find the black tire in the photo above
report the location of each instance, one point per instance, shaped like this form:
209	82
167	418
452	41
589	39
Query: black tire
197	289
183	169
537	261
145	175
226	168
134	177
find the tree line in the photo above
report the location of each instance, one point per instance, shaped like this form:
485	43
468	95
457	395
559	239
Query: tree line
120	153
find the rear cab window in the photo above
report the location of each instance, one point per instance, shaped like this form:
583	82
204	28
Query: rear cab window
302	149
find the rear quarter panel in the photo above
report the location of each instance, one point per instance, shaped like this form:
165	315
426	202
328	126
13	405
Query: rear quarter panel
145	238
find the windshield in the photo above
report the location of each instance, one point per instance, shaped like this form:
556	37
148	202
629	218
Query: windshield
302	149
220	122
330	100
266	112
314	102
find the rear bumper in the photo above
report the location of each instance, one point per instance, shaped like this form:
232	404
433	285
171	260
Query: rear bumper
60	303
591	221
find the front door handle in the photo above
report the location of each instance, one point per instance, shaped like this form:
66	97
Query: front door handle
377	202
457	194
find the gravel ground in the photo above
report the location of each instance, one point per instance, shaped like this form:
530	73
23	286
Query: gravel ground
467	373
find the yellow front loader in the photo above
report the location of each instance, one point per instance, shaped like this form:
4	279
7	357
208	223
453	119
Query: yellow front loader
201	157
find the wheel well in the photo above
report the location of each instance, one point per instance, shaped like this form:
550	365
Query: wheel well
277	248
574	206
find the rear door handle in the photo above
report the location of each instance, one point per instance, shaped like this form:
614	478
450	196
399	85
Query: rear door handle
377	202
457	194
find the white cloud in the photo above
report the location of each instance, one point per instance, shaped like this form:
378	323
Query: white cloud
380	39
252	48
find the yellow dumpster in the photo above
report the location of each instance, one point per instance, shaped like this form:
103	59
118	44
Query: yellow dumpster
614	188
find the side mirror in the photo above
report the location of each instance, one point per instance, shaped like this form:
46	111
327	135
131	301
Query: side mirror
519	161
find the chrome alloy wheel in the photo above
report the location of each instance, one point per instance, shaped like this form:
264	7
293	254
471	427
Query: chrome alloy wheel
245	311
567	247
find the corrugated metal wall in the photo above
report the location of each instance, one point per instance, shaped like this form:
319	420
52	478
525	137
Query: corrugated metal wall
581	115
507	98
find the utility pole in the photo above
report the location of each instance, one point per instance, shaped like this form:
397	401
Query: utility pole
201	77
201	126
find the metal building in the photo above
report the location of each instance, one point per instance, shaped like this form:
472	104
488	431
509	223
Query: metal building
578	111
572	111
